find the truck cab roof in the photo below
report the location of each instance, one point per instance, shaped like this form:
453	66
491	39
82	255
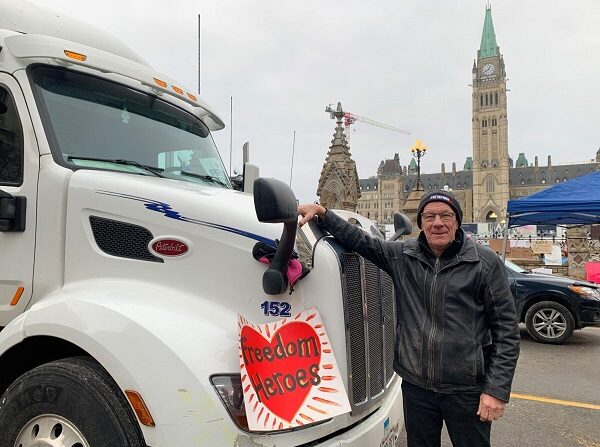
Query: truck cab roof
45	36
24	17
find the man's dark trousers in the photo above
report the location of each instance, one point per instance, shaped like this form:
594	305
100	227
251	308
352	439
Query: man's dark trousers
425	411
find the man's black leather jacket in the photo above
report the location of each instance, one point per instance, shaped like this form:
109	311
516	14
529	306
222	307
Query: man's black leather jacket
457	326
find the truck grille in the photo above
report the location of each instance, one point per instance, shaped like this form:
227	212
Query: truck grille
122	239
371	328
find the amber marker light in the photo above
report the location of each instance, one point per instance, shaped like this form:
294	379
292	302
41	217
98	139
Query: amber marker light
177	89
140	408
160	83
17	296
76	56
192	97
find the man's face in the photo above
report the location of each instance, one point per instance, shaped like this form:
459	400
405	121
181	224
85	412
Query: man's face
438	232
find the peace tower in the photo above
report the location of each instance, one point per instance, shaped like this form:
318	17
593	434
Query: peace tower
490	129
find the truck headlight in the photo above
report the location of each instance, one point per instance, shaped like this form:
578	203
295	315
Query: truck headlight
229	389
586	292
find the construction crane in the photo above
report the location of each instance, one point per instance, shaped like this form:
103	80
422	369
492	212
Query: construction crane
351	118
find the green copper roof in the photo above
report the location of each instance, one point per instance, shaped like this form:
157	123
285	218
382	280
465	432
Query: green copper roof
522	161
468	164
412	167
488	47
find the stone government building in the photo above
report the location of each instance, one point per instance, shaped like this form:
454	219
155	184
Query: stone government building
487	180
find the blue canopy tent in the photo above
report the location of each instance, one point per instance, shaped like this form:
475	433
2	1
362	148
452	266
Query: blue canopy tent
574	202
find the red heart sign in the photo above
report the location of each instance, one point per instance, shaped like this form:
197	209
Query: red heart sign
284	369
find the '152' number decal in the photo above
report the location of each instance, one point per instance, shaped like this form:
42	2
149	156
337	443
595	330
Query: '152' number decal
276	308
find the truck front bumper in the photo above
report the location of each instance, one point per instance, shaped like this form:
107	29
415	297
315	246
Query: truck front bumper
381	428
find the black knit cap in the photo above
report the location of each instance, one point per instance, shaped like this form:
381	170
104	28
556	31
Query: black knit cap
440	196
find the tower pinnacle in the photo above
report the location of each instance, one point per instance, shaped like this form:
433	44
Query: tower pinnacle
489	46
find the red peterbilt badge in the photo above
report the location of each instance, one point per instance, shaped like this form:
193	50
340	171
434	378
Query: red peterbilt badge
169	247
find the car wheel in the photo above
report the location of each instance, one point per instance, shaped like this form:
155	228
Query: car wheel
549	322
71	402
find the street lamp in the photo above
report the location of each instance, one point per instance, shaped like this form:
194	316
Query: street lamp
418	150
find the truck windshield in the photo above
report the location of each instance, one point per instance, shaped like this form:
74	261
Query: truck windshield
98	124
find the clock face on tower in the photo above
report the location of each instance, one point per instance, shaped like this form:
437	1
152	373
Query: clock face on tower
488	70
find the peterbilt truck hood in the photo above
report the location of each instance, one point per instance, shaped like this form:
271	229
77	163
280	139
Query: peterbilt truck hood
170	203
112	219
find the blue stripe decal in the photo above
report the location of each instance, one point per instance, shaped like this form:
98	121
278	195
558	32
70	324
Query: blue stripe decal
168	211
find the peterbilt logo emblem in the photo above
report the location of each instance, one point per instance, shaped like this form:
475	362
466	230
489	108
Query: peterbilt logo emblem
169	247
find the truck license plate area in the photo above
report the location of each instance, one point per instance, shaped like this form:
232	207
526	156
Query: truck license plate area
391	436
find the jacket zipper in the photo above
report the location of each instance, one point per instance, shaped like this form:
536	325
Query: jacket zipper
433	322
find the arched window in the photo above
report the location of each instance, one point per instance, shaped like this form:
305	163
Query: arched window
486	99
489	184
481	100
496	95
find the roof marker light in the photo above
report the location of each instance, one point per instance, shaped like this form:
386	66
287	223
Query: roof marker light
160	83
76	56
177	90
192	97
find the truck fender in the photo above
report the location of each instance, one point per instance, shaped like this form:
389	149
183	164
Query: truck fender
152	340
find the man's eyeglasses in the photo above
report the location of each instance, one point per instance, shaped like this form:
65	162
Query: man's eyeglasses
430	217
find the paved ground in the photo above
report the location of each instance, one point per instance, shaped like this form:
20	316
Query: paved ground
569	375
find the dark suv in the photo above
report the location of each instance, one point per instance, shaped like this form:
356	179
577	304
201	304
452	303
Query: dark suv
553	306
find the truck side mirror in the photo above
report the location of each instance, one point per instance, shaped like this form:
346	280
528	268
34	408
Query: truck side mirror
12	212
275	202
402	226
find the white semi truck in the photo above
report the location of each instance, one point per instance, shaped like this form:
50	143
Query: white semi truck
126	257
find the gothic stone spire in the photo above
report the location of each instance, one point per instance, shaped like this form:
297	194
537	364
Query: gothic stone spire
338	185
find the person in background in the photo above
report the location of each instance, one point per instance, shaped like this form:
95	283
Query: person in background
457	338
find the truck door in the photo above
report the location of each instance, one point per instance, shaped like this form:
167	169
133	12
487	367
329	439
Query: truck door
19	165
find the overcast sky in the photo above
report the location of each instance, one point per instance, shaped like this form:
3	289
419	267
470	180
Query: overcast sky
404	63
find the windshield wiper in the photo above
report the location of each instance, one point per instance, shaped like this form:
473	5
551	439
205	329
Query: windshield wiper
120	161
210	178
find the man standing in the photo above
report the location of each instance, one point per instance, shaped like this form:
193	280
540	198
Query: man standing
457	339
